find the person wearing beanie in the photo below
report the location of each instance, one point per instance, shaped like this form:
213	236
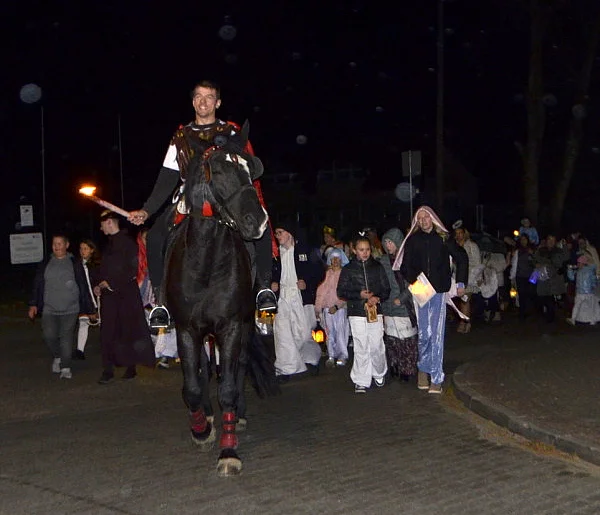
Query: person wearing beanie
399	318
295	280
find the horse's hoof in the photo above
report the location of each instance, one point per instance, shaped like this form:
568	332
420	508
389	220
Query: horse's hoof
205	442
211	419
229	464
242	424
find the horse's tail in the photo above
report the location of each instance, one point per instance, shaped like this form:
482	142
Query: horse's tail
261	367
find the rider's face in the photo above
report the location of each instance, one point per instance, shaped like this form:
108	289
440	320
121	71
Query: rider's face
205	103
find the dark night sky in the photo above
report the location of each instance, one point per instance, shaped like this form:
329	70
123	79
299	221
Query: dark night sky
320	69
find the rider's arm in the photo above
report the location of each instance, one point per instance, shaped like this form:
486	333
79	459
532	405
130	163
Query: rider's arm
165	185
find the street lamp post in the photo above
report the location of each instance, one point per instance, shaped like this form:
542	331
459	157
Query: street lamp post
32	94
439	129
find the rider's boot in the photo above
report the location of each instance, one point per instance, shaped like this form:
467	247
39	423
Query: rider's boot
159	316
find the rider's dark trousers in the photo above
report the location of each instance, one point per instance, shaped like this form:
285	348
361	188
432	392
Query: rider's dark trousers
259	251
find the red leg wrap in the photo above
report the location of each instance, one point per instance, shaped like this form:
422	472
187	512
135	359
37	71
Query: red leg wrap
229	439
198	421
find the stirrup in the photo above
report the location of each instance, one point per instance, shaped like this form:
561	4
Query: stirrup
159	317
270	304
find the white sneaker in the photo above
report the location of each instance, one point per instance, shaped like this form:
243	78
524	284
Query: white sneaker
65	373
570	321
56	366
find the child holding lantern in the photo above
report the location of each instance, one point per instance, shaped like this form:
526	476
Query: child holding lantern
363	284
331	310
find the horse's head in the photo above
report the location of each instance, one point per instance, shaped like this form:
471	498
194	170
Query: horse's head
223	178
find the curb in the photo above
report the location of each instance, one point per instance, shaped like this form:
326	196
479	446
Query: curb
519	424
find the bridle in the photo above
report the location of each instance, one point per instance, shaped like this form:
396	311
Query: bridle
214	199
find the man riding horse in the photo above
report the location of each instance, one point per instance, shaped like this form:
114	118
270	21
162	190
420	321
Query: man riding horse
205	131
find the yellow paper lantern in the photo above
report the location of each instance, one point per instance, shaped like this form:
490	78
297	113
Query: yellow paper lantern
318	334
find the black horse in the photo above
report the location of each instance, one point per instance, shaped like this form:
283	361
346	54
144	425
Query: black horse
208	286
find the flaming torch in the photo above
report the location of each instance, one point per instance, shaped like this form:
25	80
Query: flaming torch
89	191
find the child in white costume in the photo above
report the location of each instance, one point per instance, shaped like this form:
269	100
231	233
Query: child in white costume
586	308
331	310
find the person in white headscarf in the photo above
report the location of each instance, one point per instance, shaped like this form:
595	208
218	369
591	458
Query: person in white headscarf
427	250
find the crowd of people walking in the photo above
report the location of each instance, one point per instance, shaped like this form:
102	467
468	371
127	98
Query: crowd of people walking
363	291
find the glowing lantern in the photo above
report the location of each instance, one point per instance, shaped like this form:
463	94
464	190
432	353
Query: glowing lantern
318	334
516	233
513	293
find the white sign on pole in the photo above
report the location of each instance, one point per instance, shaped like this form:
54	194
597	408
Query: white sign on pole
26	248
26	216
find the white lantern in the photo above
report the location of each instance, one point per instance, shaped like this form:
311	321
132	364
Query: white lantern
301	139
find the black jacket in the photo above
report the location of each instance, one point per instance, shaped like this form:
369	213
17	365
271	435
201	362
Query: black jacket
352	282
306	269
37	294
428	253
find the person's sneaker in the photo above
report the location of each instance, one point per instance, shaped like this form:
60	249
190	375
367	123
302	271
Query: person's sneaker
570	321
130	373
106	377
56	366
379	382
422	381
360	389
65	373
78	354
159	317
163	363
341	362
330	363
435	388
266	300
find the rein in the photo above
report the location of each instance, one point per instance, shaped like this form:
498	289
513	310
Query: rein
210	200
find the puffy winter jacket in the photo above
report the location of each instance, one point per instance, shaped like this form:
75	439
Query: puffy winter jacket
362	275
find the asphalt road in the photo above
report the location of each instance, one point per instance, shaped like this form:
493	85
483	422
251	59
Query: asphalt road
74	447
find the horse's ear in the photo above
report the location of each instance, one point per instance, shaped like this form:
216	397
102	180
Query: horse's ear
245	132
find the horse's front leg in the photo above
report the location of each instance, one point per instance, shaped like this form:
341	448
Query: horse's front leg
194	395
230	343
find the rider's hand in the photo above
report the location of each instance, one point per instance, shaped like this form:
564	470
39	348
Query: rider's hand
138	217
275	286
301	284
32	312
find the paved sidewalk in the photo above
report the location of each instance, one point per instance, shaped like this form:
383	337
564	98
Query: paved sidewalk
542	382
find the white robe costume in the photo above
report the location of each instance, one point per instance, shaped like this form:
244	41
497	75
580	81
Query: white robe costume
293	324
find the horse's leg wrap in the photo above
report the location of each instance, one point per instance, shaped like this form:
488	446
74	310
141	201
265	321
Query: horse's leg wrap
199	425
229	439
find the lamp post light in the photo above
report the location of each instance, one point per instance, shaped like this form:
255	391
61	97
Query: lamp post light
32	94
